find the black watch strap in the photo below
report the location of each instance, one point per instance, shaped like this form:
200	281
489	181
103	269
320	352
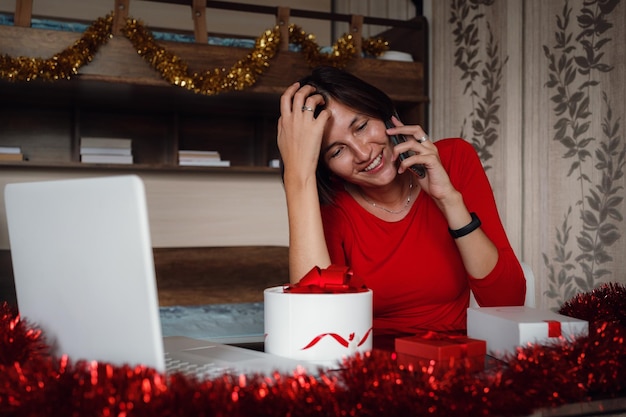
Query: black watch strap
467	229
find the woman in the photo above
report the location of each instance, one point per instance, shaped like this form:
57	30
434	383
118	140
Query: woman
420	243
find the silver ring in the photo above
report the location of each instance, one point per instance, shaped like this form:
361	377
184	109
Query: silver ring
423	139
307	108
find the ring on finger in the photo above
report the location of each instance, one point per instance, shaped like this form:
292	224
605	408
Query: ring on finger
307	108
423	139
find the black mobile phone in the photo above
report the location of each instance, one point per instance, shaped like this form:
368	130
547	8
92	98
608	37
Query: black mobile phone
419	169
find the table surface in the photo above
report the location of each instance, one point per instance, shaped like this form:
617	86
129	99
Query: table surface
242	325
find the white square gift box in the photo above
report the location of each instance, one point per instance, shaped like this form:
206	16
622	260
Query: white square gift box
505	328
323	319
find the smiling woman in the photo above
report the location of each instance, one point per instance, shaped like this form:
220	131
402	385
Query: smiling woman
420	242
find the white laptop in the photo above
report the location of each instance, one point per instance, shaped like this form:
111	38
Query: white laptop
84	273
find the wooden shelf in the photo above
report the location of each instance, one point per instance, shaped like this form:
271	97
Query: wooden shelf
138	167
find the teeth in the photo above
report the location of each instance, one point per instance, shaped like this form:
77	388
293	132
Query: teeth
374	163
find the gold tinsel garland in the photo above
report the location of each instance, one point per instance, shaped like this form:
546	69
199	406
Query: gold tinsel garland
243	74
62	65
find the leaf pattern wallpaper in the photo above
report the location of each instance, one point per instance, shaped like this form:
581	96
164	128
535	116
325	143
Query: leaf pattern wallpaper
575	59
482	75
537	86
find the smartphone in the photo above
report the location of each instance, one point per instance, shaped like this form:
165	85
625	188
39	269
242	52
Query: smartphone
418	169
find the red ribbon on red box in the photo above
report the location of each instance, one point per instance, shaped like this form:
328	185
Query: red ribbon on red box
332	280
554	328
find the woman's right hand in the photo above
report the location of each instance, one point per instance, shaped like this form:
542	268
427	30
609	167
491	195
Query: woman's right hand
299	132
299	141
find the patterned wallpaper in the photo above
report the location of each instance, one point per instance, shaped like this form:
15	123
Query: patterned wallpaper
538	88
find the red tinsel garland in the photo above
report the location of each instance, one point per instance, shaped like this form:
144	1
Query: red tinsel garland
34	383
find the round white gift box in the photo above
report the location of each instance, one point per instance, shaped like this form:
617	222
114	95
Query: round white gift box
316	327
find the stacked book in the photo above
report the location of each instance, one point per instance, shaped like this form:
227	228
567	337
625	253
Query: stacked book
106	150
201	158
11	153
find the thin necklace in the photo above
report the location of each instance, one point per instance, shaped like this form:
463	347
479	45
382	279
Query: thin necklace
406	205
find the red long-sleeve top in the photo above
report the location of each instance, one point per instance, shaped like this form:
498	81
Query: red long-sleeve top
413	265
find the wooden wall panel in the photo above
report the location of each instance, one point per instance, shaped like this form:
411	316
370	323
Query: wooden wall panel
193	209
392	9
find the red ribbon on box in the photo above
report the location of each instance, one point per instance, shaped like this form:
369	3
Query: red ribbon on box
554	328
333	280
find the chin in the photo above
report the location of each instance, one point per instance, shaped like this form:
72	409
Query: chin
384	178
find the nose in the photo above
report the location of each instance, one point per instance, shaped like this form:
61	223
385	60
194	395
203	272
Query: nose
362	151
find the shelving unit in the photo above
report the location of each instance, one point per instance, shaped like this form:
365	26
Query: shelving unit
119	95
48	120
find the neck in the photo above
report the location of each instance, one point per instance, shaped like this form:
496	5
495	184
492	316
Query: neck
395	200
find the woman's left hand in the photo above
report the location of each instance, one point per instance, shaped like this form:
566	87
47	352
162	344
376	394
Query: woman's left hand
436	183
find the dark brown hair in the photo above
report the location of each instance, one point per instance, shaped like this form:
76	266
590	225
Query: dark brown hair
354	93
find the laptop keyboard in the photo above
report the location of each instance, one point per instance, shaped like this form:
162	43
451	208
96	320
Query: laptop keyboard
200	371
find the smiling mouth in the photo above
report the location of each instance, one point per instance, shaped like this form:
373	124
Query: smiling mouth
376	162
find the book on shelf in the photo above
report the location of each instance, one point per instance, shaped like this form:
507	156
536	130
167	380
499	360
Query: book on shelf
201	158
105	151
11	156
11	153
100	142
205	163
199	154
10	149
102	150
107	159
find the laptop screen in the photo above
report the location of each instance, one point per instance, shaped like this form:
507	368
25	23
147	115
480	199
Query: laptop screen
83	266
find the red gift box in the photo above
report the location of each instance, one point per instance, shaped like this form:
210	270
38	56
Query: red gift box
445	350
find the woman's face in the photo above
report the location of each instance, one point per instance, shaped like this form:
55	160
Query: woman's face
356	148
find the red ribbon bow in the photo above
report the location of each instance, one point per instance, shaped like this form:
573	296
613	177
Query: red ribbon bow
332	280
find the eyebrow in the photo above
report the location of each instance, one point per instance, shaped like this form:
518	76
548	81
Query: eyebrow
327	148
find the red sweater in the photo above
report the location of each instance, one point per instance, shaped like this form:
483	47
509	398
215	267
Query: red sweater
413	266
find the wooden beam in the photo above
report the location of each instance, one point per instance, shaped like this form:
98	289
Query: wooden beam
121	14
23	13
198	10
282	20
356	30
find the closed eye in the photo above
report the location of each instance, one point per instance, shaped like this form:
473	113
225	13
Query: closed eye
361	127
335	151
